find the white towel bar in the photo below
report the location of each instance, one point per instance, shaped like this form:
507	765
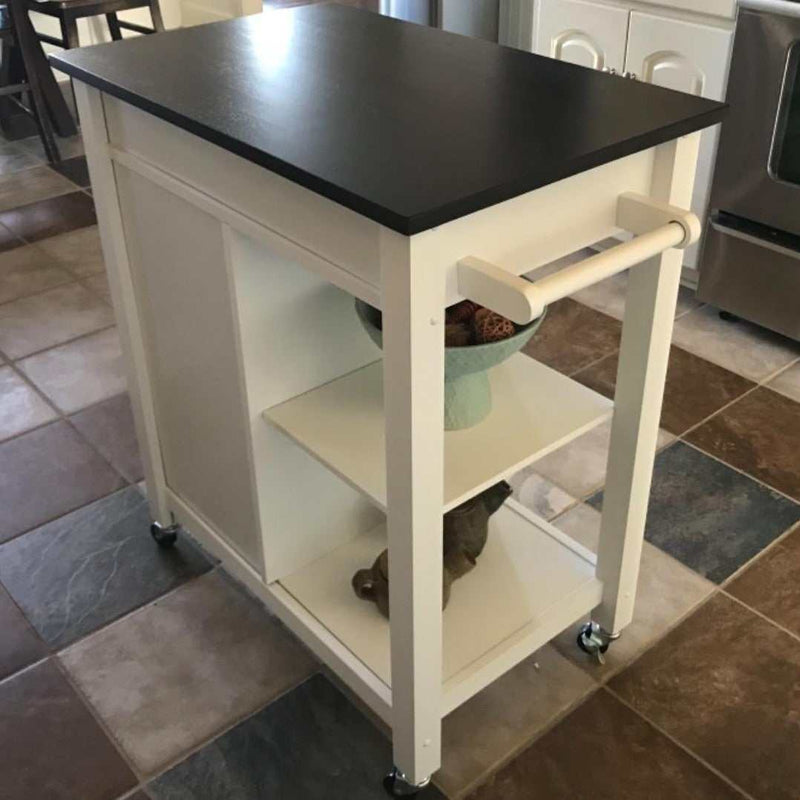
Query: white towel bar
659	227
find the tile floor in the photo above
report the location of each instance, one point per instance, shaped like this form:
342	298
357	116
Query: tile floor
128	672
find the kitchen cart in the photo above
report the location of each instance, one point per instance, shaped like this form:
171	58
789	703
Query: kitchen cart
254	176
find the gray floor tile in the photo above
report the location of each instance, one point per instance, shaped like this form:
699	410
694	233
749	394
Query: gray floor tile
30	185
46	473
497	723
708	516
178	671
308	745
788	383
738	346
80	373
27	270
50	318
68	147
21	408
667	591
79	251
19	644
13	159
89	567
109	427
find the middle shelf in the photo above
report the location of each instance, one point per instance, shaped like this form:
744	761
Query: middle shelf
535	411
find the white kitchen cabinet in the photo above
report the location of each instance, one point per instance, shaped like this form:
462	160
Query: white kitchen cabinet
685	55
588	34
688	57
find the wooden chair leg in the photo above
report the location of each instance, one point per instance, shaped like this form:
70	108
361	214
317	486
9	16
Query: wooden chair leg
69	31
113	26
25	43
155	14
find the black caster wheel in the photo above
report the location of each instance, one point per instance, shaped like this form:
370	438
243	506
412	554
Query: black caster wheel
591	649
726	316
595	641
396	785
164	537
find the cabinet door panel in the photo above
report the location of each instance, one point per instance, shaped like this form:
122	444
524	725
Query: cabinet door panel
582	33
688	57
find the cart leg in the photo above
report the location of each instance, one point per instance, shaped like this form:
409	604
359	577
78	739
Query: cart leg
413	344
120	279
644	354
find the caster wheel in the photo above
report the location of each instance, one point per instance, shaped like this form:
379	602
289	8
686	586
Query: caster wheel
164	537
594	641
396	785
726	316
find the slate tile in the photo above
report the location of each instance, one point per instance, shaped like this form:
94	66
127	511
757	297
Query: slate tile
79	373
75	169
51	318
788	383
604	751
741	347
109	427
14	160
87	568
707	515
30	185
771	585
46	473
666	592
498	722
760	435
27	270
725	684
572	336
179	670
19	644
50	217
78	251
580	466
309	744
21	408
8	240
52	748
68	147
694	390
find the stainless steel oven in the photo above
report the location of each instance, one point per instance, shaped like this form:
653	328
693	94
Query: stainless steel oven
751	259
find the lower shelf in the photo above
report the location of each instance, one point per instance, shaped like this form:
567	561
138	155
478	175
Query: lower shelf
530	583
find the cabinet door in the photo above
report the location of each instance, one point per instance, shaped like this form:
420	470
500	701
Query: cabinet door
688	57
588	34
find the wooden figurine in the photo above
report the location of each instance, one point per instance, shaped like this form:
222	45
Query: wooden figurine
465	531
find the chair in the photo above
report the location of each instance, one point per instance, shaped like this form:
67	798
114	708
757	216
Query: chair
19	75
68	12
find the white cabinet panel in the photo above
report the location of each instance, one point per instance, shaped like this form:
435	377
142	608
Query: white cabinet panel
687	57
588	34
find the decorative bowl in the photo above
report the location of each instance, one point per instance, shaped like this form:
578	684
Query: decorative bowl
467	391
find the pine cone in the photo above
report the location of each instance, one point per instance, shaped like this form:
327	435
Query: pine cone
460	312
457	335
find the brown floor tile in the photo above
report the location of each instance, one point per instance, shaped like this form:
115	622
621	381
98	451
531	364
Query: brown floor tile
78	251
21	408
50	217
573	336
760	435
771	585
19	644
109	427
725	684
695	388
52	747
604	751
46	473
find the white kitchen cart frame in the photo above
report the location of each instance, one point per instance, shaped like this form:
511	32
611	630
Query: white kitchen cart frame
270	426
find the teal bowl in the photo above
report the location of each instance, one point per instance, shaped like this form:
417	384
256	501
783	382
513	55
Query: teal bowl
467	390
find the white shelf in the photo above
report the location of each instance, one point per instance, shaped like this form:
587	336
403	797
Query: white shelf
530	583
535	411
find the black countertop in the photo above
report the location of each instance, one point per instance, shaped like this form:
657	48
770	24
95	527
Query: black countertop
407	125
